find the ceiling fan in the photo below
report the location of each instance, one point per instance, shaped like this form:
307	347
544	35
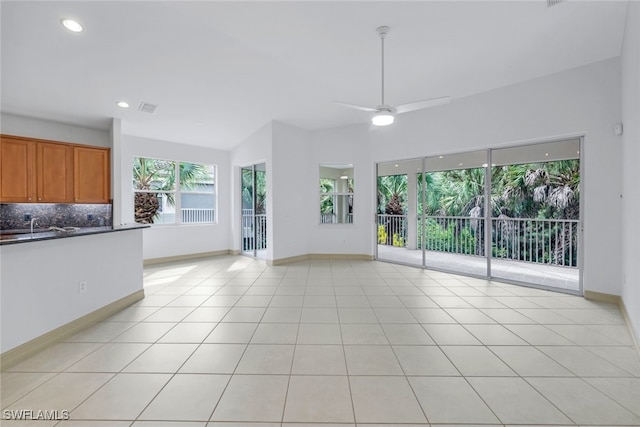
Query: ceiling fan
384	114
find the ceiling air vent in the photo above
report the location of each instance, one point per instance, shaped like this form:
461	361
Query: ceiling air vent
553	2
145	107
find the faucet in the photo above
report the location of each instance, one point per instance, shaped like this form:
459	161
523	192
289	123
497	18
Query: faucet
33	221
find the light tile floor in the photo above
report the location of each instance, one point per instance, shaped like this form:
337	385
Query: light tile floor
231	342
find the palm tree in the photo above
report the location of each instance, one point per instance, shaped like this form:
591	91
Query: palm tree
260	193
433	192
327	186
392	194
461	191
160	175
546	190
542	190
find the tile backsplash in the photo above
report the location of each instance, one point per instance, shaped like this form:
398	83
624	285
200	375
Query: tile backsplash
54	214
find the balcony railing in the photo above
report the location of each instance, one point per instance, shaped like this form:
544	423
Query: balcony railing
331	218
392	230
190	215
455	234
254	231
542	241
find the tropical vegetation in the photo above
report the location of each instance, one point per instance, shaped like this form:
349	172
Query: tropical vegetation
260	193
455	198
155	178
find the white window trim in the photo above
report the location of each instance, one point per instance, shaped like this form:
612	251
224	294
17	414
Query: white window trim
177	192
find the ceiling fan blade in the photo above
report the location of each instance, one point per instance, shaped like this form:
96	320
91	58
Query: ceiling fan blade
357	107
405	108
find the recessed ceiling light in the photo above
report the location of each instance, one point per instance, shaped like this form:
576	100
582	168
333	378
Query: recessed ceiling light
459	164
122	104
72	25
396	165
546	154
440	157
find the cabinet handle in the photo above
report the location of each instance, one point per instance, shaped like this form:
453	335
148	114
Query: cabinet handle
39	198
29	198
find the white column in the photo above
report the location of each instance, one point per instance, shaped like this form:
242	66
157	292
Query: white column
116	170
412	210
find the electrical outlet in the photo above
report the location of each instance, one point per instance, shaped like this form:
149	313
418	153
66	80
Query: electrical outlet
89	217
27	217
82	286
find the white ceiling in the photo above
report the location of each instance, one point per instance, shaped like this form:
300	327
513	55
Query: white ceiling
220	70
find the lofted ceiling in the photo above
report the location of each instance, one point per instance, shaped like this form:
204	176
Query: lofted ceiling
218	71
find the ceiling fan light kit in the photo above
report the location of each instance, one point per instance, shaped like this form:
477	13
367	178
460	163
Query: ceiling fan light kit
383	118
383	114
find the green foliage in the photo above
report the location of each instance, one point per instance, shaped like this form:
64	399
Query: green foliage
448	238
398	240
392	194
539	190
160	175
260	193
153	174
382	235
531	190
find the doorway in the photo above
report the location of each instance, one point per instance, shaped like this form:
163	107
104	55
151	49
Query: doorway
254	210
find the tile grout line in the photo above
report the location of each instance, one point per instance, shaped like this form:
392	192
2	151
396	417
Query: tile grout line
346	365
293	358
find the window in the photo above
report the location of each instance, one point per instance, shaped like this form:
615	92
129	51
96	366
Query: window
336	194
163	188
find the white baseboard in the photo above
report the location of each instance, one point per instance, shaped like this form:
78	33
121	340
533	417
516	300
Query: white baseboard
616	299
162	260
307	257
15	355
635	335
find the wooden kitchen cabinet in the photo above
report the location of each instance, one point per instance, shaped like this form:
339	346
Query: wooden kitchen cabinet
40	171
91	175
17	170
54	172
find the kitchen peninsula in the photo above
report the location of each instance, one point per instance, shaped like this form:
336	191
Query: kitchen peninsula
59	283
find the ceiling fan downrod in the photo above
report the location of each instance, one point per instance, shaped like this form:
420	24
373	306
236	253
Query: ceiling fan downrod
382	32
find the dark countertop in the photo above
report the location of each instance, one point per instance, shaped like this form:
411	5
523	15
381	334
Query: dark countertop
8	237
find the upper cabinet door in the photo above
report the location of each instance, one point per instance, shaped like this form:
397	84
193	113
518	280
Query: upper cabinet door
91	173
54	173
17	170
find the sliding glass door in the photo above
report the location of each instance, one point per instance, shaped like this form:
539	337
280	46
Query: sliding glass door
535	224
510	213
454	224
397	231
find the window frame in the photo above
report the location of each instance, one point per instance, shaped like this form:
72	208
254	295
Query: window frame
337	194
177	192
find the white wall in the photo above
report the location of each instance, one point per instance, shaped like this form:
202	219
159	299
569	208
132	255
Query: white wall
172	240
256	149
293	196
38	300
631	159
584	100
43	129
343	145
